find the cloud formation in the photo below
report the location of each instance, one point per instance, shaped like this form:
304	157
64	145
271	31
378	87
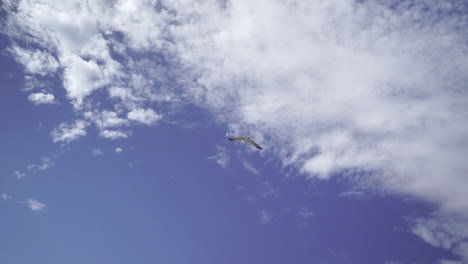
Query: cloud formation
41	98
112	134
19	174
46	163
5	196
35	205
144	116
67	132
34	61
221	158
265	216
370	88
97	152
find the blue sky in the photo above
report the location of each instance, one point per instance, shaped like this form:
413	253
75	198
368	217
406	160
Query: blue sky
116	116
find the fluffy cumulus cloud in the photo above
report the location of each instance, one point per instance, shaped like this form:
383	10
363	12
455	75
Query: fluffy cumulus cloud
106	119
35	205
144	116
372	88
35	61
41	98
67	132
112	134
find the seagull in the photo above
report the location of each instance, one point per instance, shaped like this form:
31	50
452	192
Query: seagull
247	139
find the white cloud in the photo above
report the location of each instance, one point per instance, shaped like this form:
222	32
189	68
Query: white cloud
35	205
41	98
112	134
67	132
445	231
19	174
374	90
106	119
6	196
305	213
118	150
267	190
249	167
46	163
35	61
353	194
81	78
221	158
147	117
97	152
450	262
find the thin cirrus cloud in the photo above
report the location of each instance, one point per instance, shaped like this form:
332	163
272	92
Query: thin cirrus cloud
46	163
97	152
334	85
221	157
265	216
5	196
19	175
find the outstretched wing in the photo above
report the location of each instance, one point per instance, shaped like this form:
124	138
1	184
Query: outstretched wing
239	138
255	144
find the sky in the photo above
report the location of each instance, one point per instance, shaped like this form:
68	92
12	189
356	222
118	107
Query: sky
115	118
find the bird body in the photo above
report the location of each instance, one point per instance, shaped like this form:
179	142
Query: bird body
247	139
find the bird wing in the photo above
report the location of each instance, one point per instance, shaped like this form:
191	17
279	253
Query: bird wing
255	144
239	138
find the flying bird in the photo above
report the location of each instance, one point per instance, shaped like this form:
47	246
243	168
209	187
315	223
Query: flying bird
247	139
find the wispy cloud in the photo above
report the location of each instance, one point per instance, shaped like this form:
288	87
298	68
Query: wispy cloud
106	119
267	190
6	196
249	167
46	163
35	205
97	152
19	174
265	216
67	132
353	194
221	158
35	61
305	213
449	232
